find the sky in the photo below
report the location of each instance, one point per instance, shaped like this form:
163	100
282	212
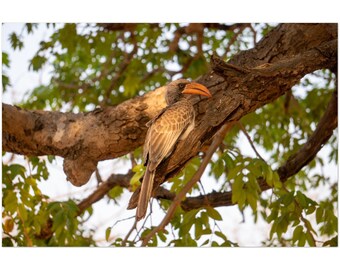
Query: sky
24	80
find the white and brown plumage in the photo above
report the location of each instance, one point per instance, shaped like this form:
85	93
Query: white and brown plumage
174	123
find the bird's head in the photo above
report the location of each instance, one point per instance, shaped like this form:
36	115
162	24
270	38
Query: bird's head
176	90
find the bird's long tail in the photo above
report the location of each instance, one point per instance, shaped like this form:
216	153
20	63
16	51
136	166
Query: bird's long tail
145	194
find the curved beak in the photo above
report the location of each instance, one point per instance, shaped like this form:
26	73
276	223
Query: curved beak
196	89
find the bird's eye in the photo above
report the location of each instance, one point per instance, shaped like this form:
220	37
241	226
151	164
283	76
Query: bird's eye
181	86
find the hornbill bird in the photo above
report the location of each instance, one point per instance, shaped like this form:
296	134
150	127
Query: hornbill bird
172	124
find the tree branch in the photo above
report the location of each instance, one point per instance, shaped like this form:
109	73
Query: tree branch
282	58
249	140
294	164
122	180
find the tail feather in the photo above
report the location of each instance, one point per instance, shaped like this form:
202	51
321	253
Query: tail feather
145	194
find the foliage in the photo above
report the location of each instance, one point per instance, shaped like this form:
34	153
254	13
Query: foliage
103	65
29	218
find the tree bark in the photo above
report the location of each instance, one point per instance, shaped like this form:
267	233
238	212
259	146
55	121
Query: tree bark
248	81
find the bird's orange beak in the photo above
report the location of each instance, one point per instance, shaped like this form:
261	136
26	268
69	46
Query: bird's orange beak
196	89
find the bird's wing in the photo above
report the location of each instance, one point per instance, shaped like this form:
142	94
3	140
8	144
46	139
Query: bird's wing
165	132
148	136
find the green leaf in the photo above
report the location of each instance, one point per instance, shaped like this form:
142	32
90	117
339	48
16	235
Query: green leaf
214	244
273	215
241	200
301	198
5	59
309	226
269	176
190	216
205	242
22	211
26	198
221	235
30	27
302	240
50	158
188	241
153	242
228	160
7	242
310	239
10	201
310	210
162	235
287	199
15	41
319	215
59	220
16	169
188	221
234	171
273	230
213	213
205	218
5	82
256	167
237	189
198	230
276	180
107	233
297	233
218	168
185	227
68	37
37	62
139	172
116	192
252	200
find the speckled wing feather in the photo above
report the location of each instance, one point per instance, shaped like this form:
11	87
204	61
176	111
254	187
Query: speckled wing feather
165	132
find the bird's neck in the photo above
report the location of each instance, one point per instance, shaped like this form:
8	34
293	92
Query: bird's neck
174	99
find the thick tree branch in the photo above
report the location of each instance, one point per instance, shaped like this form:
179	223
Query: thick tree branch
294	164
243	91
250	80
75	136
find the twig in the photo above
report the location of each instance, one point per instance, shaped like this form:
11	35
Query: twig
249	139
122	180
134	226
98	177
217	141
132	159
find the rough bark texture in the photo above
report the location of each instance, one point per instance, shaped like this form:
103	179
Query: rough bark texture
82	139
250	80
